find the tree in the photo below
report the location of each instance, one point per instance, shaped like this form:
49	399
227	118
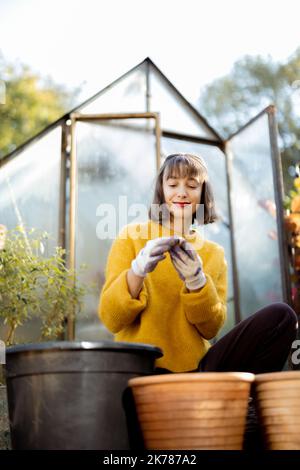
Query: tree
254	83
31	103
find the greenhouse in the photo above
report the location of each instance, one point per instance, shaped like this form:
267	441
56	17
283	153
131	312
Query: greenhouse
108	150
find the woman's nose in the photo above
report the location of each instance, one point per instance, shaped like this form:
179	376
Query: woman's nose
181	190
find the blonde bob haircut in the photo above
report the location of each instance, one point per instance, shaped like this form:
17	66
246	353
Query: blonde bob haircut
182	165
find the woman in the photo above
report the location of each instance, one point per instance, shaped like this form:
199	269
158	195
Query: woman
165	285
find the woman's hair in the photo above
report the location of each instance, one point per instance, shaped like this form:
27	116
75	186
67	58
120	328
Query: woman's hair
184	165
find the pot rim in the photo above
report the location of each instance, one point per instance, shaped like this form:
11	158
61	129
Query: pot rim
193	377
275	376
105	345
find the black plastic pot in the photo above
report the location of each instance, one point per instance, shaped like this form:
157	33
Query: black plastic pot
74	395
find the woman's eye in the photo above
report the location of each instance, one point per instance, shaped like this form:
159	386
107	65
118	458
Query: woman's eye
173	186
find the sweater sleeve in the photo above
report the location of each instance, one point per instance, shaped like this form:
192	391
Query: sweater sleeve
117	308
206	309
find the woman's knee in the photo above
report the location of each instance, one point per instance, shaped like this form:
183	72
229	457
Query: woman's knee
284	313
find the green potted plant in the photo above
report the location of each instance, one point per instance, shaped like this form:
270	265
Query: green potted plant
33	285
61	394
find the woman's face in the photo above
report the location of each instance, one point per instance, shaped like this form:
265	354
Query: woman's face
182	195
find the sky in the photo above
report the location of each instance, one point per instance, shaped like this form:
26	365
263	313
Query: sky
90	43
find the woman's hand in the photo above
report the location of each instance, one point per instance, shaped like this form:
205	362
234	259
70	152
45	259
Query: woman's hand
188	264
151	254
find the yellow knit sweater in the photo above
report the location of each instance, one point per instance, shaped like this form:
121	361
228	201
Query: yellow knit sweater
165	314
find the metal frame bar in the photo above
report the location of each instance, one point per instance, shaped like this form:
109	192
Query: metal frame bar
61	236
192	138
279	195
148	93
62	188
99	117
73	180
72	218
236	287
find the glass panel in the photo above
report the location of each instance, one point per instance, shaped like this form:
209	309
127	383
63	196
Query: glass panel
29	195
254	216
176	116
127	96
117	167
218	231
29	186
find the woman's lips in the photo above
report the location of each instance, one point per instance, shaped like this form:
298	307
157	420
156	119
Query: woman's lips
182	204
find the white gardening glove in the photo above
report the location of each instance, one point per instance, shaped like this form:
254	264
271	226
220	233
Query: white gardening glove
151	254
188	264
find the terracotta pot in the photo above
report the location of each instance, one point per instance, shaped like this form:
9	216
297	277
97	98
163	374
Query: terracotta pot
278	402
205	410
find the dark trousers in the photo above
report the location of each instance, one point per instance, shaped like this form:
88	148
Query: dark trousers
260	343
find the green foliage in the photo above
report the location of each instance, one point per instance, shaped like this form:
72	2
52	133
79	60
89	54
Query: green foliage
31	104
255	82
34	286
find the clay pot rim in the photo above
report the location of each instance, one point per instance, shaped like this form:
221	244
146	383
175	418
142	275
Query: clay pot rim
276	376
193	377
